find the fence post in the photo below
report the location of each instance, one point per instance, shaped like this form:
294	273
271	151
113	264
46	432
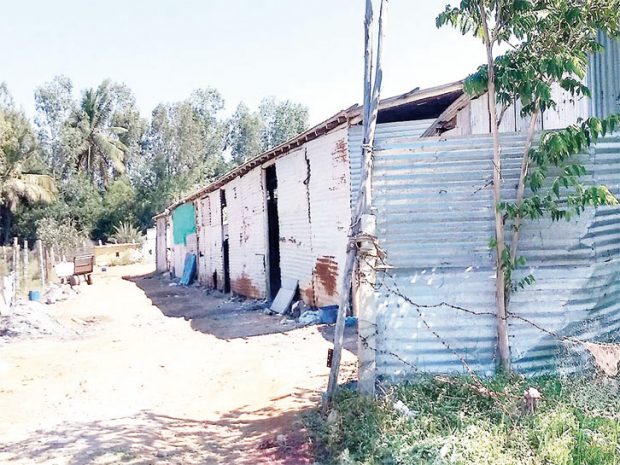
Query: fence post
41	263
16	263
25	268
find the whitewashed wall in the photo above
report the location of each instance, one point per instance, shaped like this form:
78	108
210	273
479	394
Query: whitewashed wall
245	197
314	216
203	213
160	245
214	241
296	252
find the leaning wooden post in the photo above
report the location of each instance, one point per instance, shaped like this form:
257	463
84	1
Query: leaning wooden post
41	263
362	211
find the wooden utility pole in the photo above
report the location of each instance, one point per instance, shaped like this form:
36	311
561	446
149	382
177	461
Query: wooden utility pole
361	218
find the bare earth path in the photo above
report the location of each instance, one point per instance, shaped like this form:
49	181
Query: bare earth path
138	387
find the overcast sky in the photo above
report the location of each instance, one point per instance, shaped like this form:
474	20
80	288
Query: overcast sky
307	51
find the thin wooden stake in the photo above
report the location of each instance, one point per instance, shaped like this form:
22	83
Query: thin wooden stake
41	263
25	270
364	199
16	262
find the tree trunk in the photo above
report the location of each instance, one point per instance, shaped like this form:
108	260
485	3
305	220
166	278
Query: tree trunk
525	164
500	279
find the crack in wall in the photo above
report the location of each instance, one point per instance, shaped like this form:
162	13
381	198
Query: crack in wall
307	184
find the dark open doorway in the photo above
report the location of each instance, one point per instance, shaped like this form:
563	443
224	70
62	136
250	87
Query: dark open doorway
275	279
225	244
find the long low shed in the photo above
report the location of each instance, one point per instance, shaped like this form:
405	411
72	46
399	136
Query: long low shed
285	214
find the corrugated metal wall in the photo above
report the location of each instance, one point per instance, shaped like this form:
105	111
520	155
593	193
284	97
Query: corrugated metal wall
161	261
214	240
314	216
203	213
401	129
604	78
245	198
296	252
330	213
435	219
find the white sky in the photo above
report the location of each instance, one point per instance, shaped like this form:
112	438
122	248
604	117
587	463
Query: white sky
307	51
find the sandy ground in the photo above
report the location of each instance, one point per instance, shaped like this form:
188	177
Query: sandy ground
139	386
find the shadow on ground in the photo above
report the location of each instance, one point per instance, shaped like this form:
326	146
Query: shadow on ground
240	437
217	315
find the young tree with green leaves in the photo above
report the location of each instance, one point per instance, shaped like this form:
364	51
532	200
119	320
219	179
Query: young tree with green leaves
548	43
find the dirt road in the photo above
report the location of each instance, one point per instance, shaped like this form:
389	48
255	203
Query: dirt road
136	386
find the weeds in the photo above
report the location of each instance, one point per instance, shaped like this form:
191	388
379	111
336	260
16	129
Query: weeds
445	421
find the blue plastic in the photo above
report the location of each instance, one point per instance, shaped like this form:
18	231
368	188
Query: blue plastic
328	315
35	296
189	270
350	321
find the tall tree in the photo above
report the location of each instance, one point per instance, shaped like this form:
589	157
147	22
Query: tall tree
55	105
101	154
244	136
281	120
183	147
21	179
548	45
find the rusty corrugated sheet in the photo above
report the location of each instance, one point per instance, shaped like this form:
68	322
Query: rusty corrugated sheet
245	198
435	218
330	213
314	216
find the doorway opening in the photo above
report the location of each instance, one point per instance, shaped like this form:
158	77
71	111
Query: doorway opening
225	243
273	231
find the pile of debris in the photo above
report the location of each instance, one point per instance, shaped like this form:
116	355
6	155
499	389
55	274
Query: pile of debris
57	293
300	314
30	319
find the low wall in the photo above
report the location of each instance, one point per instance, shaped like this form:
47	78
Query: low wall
109	253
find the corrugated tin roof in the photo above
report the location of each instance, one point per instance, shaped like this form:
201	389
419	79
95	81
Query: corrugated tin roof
352	115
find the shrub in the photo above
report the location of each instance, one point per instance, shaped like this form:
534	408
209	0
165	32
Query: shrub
453	421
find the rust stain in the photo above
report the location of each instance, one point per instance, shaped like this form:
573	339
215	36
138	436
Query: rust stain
324	278
308	295
243	286
341	155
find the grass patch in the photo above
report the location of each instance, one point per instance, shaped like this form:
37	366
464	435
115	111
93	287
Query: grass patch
449	421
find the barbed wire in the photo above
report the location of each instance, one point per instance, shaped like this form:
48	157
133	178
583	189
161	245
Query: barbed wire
380	256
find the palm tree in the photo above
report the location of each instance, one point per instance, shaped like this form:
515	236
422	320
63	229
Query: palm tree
102	154
19	182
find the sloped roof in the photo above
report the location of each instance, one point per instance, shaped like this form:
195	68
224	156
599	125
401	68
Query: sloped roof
404	105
